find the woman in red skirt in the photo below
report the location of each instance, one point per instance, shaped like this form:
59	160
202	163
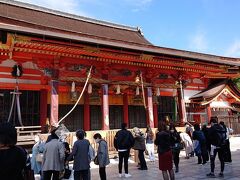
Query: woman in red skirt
164	151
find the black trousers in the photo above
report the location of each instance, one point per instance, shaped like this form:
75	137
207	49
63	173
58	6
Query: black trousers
143	164
175	154
220	152
102	172
204	154
48	174
81	175
123	156
227	156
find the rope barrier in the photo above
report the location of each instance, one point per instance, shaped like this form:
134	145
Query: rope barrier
84	87
143	92
15	104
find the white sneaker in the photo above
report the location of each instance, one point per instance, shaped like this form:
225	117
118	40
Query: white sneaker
127	175
120	175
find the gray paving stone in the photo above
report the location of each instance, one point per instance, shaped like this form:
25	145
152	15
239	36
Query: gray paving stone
189	169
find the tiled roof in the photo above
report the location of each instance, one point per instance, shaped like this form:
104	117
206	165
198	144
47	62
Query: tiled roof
215	90
27	18
42	18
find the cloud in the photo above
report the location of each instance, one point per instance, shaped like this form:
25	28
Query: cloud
69	6
198	42
234	49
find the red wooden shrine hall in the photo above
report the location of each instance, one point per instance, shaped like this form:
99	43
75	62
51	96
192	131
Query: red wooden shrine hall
131	81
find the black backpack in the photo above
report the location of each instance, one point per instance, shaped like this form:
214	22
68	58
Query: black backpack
219	136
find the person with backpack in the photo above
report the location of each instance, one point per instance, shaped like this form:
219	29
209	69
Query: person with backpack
123	142
227	155
150	144
217	135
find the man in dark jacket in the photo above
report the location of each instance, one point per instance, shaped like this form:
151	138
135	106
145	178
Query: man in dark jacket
216	136
123	141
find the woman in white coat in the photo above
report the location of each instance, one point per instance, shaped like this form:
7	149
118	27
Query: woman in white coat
187	143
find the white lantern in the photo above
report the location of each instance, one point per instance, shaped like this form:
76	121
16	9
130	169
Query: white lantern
73	87
174	92
158	91
137	91
118	89
89	89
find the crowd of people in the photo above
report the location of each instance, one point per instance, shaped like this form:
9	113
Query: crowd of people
50	159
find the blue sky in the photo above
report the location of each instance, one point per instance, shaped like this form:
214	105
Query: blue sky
207	26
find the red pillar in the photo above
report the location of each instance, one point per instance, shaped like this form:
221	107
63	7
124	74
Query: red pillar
54	103
146	107
105	107
182	108
209	112
125	109
43	108
86	121
150	107
155	115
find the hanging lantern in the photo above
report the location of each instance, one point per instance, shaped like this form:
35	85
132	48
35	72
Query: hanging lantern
73	92
73	87
89	89
158	91
137	79
137	91
174	92
118	91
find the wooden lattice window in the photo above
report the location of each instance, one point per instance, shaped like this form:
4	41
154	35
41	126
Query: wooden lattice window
137	116
166	107
115	116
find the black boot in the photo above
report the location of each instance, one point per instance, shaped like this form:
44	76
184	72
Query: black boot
176	171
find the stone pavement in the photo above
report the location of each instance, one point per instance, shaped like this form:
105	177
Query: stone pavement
188	168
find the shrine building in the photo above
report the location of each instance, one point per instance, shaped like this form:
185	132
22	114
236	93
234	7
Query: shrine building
47	55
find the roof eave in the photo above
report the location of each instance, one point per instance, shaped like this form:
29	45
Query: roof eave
138	47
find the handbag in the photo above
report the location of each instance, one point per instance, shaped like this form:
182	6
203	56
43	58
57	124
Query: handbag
178	146
39	157
96	160
67	172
